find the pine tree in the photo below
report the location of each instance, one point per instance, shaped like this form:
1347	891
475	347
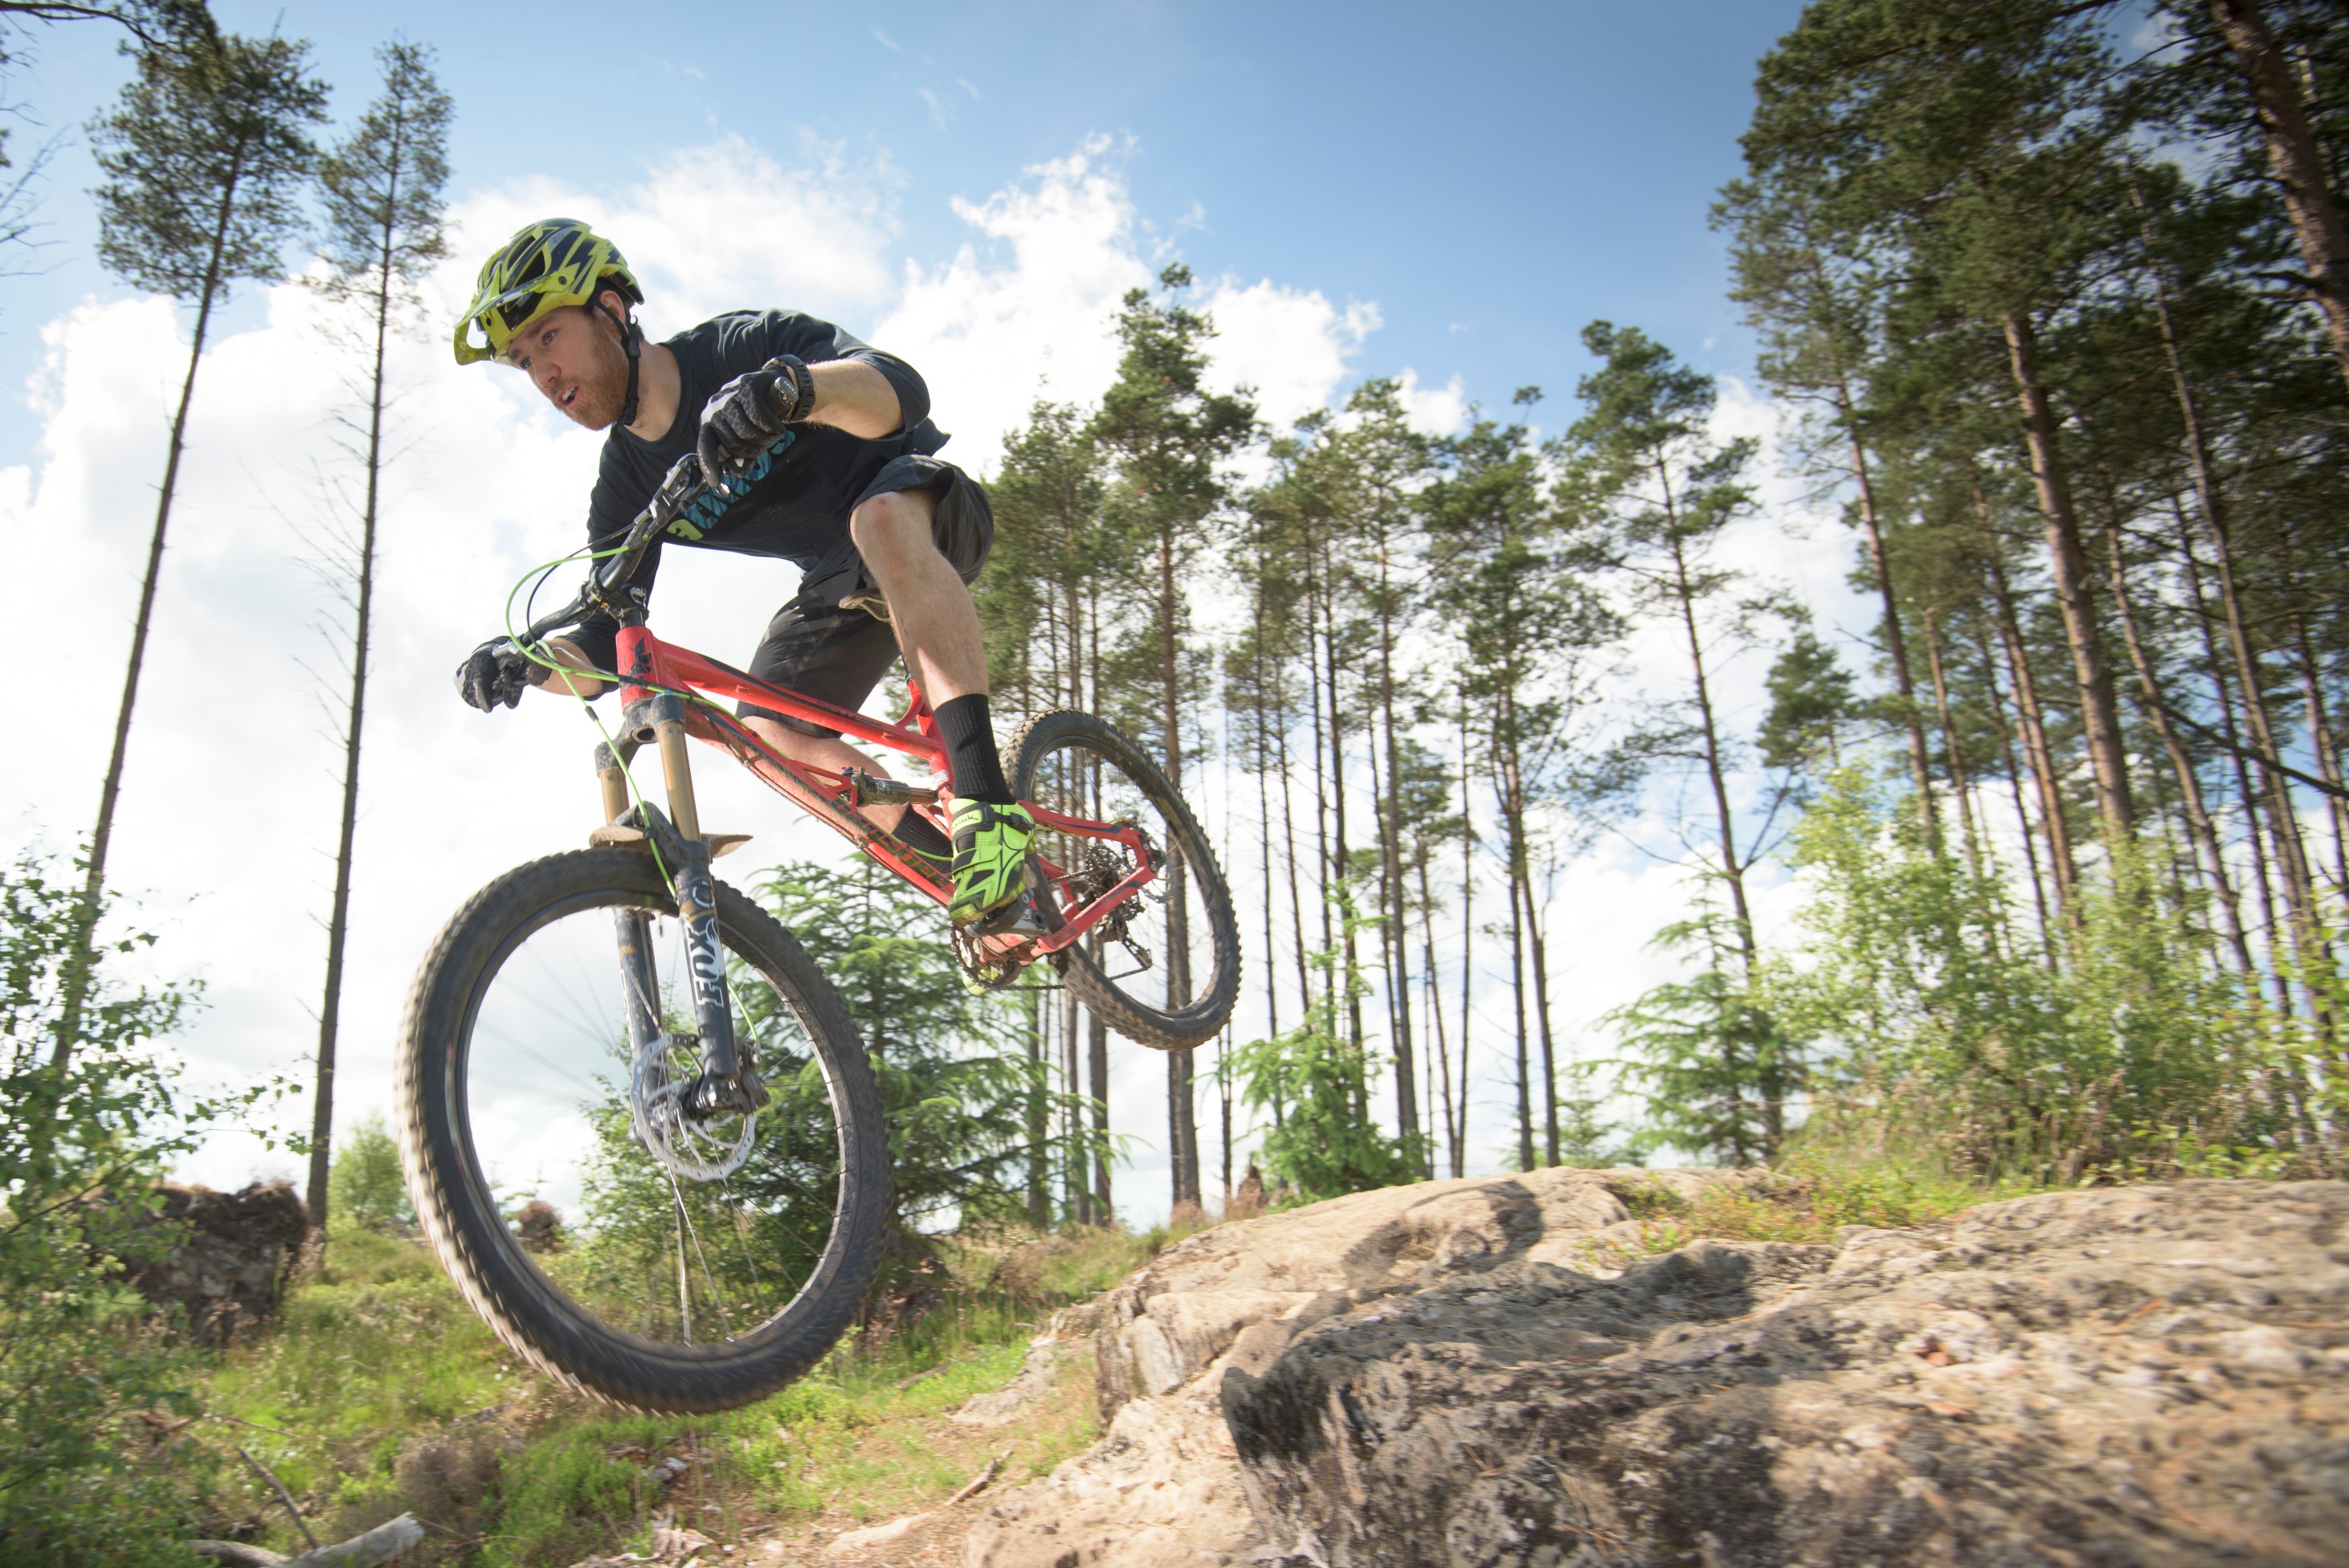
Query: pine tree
381	190
1655	493
1167	436
205	159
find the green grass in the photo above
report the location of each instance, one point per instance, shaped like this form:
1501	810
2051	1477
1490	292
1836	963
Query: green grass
1807	1200
380	1391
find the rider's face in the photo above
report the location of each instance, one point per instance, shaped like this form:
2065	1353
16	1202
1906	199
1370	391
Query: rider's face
574	358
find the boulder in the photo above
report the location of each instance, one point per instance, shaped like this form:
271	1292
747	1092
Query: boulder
2147	1377
222	1257
1164	1486
1487	1372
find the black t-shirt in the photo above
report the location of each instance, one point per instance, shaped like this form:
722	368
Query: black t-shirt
799	509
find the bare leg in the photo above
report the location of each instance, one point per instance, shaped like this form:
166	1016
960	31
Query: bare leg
937	625
826	751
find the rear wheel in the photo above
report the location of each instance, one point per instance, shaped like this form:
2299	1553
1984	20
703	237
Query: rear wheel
1164	968
659	1262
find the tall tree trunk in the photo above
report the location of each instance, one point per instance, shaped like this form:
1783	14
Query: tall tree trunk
1039	1180
1264	823
2014	788
2312	694
1300	952
2209	853
76	980
322	1105
2068	568
2036	749
1079	1197
1104	1201
1341	859
1459	1132
1224	1093
2284	822
1540	949
2247	794
1320	767
1181	1104
1896	645
1733	870
1959	784
2296	161
1398	976
1442	1053
1517	995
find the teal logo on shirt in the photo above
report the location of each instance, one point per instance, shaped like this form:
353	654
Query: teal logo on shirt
702	516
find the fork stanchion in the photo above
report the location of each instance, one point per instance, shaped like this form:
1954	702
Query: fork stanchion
677	773
613	780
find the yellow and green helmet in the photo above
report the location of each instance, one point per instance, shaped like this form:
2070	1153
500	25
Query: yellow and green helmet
554	262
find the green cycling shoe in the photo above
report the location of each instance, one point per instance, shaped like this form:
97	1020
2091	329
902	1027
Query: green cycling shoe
990	857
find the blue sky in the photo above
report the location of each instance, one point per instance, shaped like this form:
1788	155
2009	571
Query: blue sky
1491	177
1360	191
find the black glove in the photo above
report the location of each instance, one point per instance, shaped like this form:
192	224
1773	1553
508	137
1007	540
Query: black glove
749	412
494	675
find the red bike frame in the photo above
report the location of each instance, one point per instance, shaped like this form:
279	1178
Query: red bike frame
650	666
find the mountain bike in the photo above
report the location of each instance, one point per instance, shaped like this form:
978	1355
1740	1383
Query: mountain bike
614	1029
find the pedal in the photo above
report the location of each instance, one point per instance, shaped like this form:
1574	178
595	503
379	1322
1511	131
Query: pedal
614	836
1021	920
726	843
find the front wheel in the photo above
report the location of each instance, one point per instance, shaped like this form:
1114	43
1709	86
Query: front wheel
1164	967
660	1260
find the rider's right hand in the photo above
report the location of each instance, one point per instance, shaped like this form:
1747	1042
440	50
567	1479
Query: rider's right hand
494	675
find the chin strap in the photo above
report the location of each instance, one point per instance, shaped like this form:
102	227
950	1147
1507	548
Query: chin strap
632	338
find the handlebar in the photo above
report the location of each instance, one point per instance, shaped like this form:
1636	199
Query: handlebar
682	486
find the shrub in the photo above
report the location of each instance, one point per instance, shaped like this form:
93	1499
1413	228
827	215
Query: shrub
96	1465
364	1187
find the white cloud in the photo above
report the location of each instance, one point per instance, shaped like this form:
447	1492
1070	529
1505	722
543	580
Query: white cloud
1292	345
722	226
1439	411
1028	314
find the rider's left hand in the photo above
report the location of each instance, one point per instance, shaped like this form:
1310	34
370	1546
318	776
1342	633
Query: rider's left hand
750	410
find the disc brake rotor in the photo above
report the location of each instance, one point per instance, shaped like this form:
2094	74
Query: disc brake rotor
657	1119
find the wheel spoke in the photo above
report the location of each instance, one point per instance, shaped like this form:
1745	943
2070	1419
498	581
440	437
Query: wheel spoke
549	1041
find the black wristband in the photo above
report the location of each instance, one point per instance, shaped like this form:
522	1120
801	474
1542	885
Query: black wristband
802	402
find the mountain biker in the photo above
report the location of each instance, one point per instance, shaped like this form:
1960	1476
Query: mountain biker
887	535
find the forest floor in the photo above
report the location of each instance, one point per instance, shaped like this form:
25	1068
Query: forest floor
378	1391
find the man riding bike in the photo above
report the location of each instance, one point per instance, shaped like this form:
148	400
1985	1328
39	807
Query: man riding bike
846	485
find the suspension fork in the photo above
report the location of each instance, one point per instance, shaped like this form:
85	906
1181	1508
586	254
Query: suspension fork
727	1082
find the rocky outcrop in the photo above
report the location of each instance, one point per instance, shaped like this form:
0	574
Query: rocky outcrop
221	1257
1486	1372
1164	1485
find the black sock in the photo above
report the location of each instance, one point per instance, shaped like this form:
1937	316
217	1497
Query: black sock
917	833
969	735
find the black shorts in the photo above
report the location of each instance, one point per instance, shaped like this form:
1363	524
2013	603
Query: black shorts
832	641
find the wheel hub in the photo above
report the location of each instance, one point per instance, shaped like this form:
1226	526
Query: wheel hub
666	1119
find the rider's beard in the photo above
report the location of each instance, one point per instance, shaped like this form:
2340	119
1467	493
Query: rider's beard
603	388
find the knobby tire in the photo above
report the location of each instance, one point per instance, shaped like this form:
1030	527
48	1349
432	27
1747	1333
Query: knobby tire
484	1256
1163	1027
